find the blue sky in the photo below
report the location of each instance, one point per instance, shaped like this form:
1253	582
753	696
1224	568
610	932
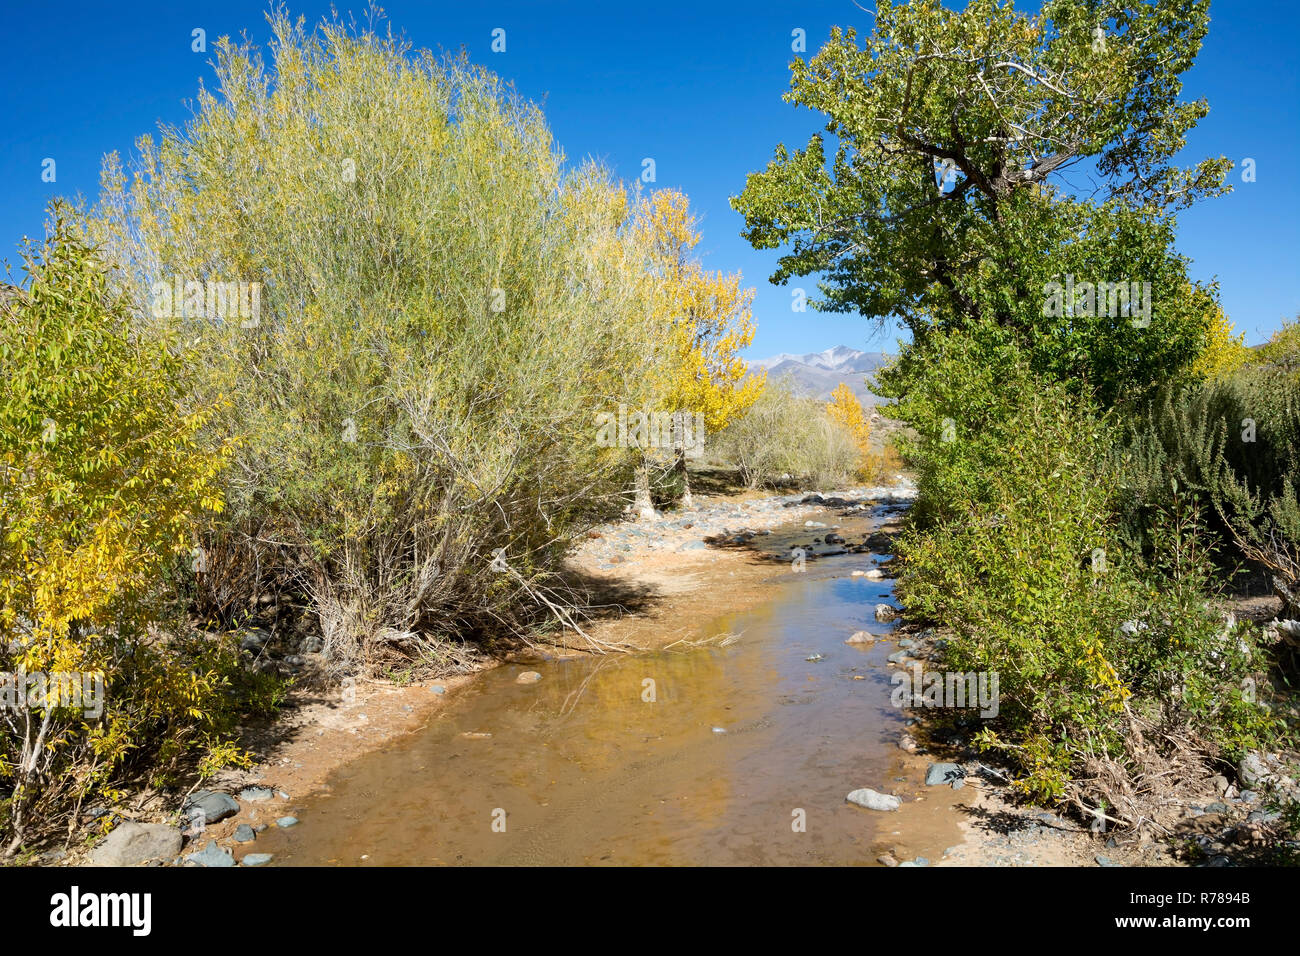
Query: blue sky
696	86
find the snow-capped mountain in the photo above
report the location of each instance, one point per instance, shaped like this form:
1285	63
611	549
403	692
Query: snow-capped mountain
817	373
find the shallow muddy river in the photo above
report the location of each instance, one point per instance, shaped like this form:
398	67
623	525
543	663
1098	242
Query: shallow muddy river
693	755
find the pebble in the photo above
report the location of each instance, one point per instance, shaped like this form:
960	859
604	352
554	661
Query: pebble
287	822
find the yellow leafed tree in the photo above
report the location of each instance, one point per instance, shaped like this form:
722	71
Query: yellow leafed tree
707	319
1224	352
845	409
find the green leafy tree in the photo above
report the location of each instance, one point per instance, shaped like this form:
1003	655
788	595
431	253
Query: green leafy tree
946	201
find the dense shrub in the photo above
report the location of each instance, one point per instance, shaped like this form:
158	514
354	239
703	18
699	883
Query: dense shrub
1103	657
1232	445
783	434
443	312
103	478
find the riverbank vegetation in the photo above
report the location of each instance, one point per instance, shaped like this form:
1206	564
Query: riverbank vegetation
321	374
1101	462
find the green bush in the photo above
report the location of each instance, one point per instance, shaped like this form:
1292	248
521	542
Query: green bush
1232	445
1096	648
104	477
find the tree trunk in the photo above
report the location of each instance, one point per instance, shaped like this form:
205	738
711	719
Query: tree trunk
643	504
679	468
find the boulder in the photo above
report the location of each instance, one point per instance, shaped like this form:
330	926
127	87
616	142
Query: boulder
131	844
211	855
942	774
214	804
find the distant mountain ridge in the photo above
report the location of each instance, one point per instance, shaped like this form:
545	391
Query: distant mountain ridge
817	373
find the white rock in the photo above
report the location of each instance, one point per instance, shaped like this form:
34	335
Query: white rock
866	797
885	613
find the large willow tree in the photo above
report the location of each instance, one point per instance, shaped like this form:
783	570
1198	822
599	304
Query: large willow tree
443	308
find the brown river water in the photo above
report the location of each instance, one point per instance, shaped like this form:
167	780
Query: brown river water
691	756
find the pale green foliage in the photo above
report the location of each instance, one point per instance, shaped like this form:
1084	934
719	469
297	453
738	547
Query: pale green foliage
443	311
782	433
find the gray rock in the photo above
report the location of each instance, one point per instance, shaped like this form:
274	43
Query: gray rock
256	859
1253	771
897	657
245	834
287	822
1106	861
438	689
131	844
254	639
211	855
861	637
1217	807
214	804
885	613
256	794
943	774
866	797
